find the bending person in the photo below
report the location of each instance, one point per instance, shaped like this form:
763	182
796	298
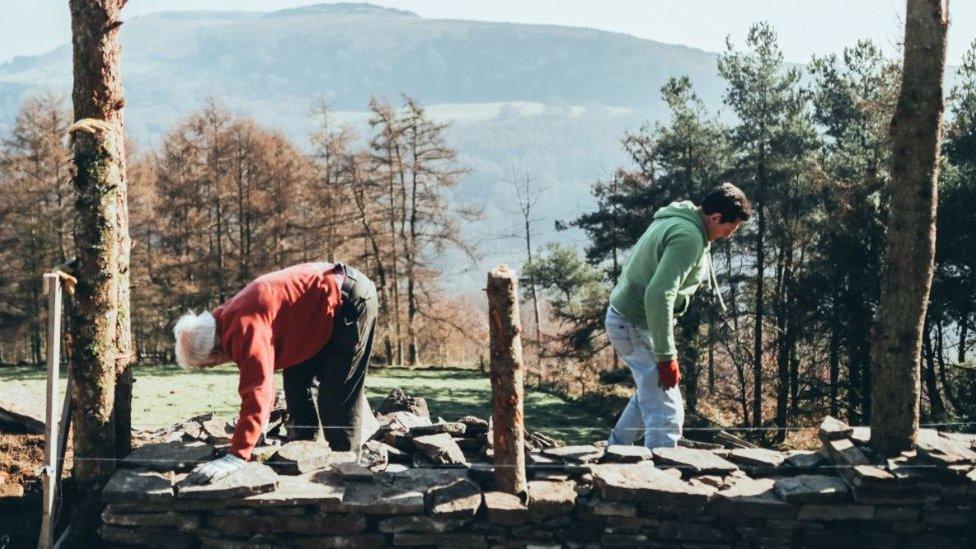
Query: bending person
314	321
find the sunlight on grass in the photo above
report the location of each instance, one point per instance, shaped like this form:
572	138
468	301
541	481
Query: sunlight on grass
164	395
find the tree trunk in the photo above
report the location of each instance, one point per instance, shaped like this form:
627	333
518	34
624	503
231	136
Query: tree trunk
507	381
101	323
915	132
757	344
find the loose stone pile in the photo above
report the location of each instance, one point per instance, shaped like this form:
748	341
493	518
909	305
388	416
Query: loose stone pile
419	484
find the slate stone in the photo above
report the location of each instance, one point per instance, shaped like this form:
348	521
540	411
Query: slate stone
577	454
835	512
301	456
804	460
505	509
399	401
352	471
322	487
844	453
944	451
216	431
169	456
162	538
832	428
549	499
689	532
693	462
620	453
460	499
183	521
309	525
453	429
642	482
474	425
128	485
375	455
440	540
599	508
861	435
378	498
748	497
366	541
811	489
420	524
757	460
441	449
252	478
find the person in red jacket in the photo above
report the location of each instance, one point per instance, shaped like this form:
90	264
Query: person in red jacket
313	321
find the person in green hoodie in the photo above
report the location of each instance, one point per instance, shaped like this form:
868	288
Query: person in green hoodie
663	270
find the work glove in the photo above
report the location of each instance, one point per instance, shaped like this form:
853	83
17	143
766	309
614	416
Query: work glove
212	471
668	374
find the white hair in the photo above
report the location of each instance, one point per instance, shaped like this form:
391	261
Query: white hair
196	339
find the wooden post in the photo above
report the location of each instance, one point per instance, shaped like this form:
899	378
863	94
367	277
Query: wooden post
507	379
50	473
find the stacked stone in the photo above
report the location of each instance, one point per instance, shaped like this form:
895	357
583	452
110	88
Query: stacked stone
578	496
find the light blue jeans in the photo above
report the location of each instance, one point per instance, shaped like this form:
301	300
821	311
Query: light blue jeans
653	411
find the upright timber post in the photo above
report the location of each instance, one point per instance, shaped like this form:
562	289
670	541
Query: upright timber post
507	379
51	473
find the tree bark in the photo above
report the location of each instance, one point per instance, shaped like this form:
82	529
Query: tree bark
507	380
102	344
915	133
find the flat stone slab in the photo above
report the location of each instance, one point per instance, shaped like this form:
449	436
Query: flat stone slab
302	456
944	451
398	401
805	460
642	482
353	471
812	489
454	429
620	453
441	449
751	497
549	499
396	493
759	458
168	538
505	509
420	524
693	462
128	485
844	453
836	512
252	478
461	499
403	421
169	456
313	525
474	425
579	454
832	428
322	487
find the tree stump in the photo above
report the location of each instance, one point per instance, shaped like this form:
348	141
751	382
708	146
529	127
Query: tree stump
507	379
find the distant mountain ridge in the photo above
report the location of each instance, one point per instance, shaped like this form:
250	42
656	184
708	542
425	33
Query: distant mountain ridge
550	101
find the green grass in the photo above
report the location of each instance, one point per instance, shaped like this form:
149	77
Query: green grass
164	395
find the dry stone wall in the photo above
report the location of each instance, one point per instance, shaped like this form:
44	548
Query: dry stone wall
578	496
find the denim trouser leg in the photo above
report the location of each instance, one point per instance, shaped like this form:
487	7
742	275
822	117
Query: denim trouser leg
658	412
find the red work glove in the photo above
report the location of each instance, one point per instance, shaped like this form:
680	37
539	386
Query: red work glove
668	374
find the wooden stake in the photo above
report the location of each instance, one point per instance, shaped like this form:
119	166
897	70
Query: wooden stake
507	379
49	474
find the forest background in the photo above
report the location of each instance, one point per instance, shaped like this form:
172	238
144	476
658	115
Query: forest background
219	196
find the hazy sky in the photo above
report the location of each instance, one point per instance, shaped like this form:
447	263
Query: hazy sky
805	27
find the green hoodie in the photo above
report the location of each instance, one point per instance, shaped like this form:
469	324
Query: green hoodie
667	263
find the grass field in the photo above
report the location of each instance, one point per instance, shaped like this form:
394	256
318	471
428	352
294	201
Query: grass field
164	395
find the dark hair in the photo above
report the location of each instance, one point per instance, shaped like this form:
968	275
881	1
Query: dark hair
730	201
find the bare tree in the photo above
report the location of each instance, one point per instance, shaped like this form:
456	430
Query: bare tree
915	132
